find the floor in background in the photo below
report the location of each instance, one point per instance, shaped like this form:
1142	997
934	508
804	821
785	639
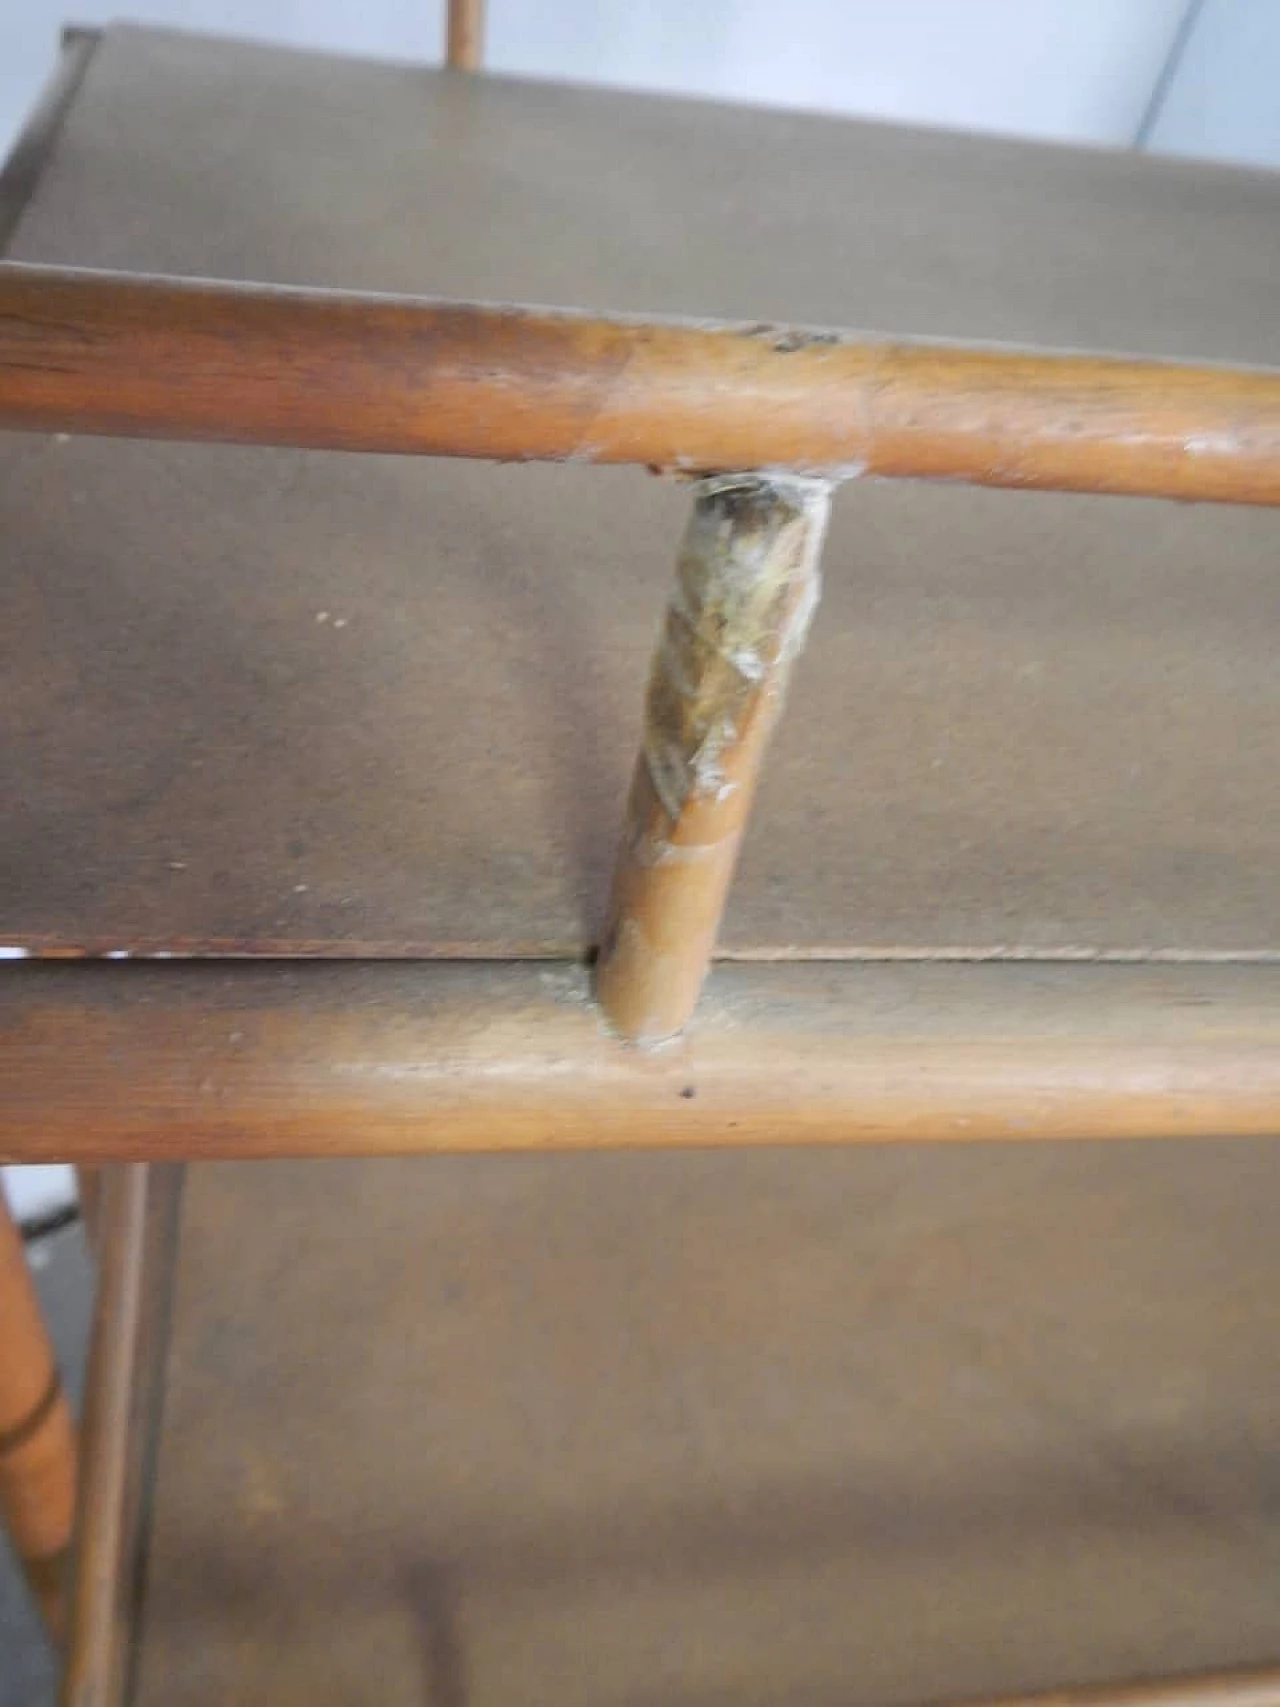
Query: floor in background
61	1265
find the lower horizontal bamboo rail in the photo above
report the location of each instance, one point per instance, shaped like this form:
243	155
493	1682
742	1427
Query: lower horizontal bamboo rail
189	1060
254	364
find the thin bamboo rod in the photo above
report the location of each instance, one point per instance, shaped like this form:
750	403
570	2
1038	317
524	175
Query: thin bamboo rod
139	1218
165	358
37	1438
125	1062
746	586
465	49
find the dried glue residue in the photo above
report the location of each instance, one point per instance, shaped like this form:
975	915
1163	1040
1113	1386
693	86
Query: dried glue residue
747	583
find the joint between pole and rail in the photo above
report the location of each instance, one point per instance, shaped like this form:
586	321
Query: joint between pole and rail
746	586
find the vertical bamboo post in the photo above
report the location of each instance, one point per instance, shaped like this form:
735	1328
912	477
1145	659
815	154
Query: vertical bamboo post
747	581
465	50
37	1438
138	1224
89	1191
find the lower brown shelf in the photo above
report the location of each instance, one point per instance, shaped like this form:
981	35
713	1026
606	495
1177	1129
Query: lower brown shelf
865	1426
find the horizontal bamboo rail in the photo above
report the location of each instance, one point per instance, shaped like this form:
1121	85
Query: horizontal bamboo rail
191	1060
182	359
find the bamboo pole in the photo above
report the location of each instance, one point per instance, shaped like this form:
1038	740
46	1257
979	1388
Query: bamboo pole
746	585
115	1062
165	358
465	50
89	1191
139	1223
37	1438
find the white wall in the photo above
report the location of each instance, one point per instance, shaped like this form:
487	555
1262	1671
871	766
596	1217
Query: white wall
1224	100
1081	70
1060	68
34	1192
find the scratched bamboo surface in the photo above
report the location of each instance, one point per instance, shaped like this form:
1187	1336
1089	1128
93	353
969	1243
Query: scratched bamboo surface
170	359
865	1427
746	584
272	699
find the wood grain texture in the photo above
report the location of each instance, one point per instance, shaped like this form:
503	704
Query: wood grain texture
123	1391
109	1062
746	587
37	1438
182	359
464	49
